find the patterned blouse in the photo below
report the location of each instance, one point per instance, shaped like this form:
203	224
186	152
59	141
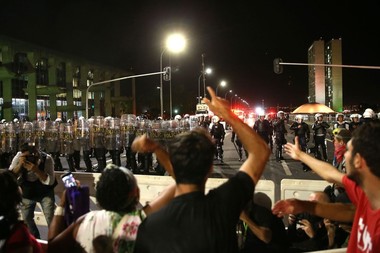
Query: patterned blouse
122	229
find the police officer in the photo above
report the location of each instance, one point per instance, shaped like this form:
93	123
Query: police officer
262	127
97	141
302	131
68	144
340	122
279	131
82	142
128	133
355	121
320	130
112	141
52	140
217	133
239	146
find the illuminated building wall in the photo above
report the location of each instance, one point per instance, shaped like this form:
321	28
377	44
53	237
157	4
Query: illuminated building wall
325	83
37	82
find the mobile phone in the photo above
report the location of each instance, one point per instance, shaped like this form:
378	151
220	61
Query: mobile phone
68	180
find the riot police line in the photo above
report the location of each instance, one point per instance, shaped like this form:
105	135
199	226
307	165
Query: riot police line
97	137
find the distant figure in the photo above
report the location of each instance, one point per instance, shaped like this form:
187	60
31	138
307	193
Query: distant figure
217	133
302	131
340	122
320	130
279	132
238	145
263	128
355	121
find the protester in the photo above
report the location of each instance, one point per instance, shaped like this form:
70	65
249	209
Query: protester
14	234
361	183
264	231
193	221
306	231
341	137
35	171
117	223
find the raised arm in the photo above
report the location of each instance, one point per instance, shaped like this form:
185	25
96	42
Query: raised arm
258	150
323	169
143	144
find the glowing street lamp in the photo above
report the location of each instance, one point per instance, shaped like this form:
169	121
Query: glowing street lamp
175	43
222	83
225	95
206	72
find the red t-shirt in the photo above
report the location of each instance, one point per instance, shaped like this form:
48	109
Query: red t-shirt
21	237
365	233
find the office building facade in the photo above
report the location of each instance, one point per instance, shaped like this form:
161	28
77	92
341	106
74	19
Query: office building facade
325	82
38	83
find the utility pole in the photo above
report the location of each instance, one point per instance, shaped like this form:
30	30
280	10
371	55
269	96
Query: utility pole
204	76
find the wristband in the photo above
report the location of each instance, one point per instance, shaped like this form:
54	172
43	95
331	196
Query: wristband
59	211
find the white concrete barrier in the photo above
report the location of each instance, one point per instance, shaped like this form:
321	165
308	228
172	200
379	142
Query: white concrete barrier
150	188
301	188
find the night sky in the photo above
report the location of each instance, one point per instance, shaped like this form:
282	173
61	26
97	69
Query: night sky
239	39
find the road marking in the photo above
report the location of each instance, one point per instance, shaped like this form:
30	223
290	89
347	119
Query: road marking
286	168
219	171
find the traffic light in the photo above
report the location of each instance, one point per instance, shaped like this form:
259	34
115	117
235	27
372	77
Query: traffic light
168	74
277	67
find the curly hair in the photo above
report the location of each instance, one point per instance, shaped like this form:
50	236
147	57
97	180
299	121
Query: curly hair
117	189
10	196
191	154
365	141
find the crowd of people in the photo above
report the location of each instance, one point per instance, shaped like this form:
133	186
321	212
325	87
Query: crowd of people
184	218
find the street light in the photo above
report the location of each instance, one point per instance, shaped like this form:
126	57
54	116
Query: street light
225	95
234	101
223	84
175	43
207	71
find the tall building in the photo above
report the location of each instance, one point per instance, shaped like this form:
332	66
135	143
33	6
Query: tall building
37	82
325	82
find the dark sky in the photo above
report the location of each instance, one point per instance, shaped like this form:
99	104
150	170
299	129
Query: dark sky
240	39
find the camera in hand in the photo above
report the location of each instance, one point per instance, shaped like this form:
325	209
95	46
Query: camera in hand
32	158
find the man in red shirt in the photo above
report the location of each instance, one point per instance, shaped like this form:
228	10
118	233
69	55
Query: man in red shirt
361	183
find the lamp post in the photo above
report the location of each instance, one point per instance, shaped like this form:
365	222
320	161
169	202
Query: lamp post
225	95
233	101
203	73
158	88
175	43
223	84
